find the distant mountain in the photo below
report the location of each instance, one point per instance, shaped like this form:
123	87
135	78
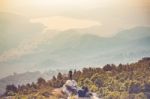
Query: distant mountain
75	49
134	33
71	49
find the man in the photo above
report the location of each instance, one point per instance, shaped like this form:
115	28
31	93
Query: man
74	92
70	87
84	92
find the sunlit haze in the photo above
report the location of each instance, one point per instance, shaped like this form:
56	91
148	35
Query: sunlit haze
37	35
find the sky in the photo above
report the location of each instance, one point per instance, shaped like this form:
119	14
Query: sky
70	14
26	24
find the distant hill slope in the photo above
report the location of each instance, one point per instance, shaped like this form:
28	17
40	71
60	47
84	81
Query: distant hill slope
74	50
71	48
24	78
17	79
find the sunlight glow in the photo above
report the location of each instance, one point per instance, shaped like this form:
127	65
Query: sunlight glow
62	23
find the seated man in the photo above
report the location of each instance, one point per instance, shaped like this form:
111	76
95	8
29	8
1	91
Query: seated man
84	92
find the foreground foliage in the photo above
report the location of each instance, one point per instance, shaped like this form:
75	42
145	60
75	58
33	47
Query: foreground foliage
129	81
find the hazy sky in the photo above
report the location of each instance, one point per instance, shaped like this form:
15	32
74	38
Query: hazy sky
25	24
72	14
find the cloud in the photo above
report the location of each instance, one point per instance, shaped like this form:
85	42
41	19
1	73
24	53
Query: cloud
62	23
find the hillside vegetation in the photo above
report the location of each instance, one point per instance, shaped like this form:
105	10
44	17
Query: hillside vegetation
125	81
